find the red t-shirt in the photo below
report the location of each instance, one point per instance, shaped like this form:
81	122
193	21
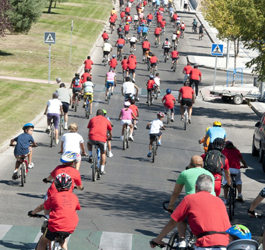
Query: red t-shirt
79	83
153	59
105	36
88	63
187	92
124	64
120	41
194	74
132	57
233	156
162	24
98	127
161	9
134	108
157	31
159	19
144	21
146	45
175	16
129	19
75	176
63	216
132	63
113	63
183	26
127	9
149	17
112	19
187	69
84	77
145	3
122	14
169	101
205	212
115	16
150	84
174	54
127	27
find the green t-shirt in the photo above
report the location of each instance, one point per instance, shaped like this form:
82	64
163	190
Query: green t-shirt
189	177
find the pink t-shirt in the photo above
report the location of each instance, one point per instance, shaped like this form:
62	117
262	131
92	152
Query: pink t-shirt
126	114
111	76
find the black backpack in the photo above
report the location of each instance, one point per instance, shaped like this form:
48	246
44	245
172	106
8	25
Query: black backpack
214	161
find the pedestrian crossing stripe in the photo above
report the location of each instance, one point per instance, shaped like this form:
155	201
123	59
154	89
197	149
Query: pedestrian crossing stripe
26	237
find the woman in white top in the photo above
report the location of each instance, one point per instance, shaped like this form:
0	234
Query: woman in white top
53	111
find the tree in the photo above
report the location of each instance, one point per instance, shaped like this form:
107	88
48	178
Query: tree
4	18
24	13
55	2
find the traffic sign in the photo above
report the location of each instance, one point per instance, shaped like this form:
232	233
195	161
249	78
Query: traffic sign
49	37
217	49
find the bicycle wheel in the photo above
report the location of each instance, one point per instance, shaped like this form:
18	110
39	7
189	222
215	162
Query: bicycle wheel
153	151
148	100
168	116
23	174
230	200
127	137
94	166
52	135
60	126
98	170
185	119
174	67
124	139
173	241
75	104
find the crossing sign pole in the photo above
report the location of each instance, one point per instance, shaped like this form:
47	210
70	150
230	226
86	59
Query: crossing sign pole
217	50
49	37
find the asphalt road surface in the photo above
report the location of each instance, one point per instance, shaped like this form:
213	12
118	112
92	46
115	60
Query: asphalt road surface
123	210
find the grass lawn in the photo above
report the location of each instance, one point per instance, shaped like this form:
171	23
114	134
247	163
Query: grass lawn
27	56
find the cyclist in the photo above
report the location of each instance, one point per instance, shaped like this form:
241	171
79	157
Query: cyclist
124	64
76	86
145	31
201	31
113	63
194	25
169	101
127	10
186	97
133	41
99	126
110	81
207	142
175	57
122	15
139	31
146	47
120	31
105	36
150	86
178	23
157	81
174	38
157	35
63	218
186	71
126	116
85	75
174	18
153	61
65	97
195	77
155	130
207	222
166	46
128	88
129	19
132	65
120	44
135	110
216	131
107	48
149	19
234	158
53	111
88	90
88	64
182	28
163	25
23	147
112	21
126	30
188	178
135	19
108	141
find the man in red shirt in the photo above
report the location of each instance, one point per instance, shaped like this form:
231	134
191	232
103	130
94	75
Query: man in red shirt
159	19
169	102
85	75
112	20
105	36
182	27
63	218
122	15
195	77
187	69
186	97
113	62
150	86
129	19
135	110
120	44
175	57
146	47
207	218
127	10
157	35
153	61
99	126
88	64
132	66
124	64
149	19
126	30
163	24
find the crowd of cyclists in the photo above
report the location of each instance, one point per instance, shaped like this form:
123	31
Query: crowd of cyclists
203	177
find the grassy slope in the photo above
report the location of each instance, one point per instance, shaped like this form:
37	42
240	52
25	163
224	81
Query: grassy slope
27	56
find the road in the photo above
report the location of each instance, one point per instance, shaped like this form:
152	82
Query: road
124	209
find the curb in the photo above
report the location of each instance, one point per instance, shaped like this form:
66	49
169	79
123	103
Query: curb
259	114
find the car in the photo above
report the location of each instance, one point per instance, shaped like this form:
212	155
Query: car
258	142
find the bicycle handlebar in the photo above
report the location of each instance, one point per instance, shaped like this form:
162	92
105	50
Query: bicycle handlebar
36	215
165	207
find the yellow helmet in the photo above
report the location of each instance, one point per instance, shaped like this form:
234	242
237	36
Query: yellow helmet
178	32
217	123
207	129
127	22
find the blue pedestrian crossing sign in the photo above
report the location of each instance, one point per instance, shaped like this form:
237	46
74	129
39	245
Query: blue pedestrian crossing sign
49	37
217	49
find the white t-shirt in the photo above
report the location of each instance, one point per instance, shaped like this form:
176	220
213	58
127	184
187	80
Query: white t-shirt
136	17
174	37
133	39
128	88
107	47
157	81
71	142
156	125
166	2
129	4
166	44
88	87
54	106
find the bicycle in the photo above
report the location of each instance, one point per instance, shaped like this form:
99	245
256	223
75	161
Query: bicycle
119	54
150	99
153	69
182	34
126	132
154	149
22	170
52	134
54	245
156	92
61	123
105	60
108	95
232	197
186	116
194	29
96	171
87	106
77	99
260	239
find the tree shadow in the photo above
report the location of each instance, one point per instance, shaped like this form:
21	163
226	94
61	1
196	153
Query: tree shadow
17	245
32	195
3	53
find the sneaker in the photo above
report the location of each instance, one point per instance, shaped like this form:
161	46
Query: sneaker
31	165
14	176
48	129
135	127
110	155
252	213
159	143
121	138
172	67
172	119
149	154
182	119
65	127
57	141
103	172
182	244
90	159
240	198
131	138
72	106
189	121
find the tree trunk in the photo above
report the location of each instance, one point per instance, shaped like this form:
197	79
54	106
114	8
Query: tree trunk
235	55
50	6
54	6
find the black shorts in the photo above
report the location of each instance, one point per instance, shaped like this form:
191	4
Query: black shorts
132	43
166	50
102	145
112	24
65	107
51	236
76	90
131	71
144	50
126	32
157	35
153	64
106	53
186	101
153	136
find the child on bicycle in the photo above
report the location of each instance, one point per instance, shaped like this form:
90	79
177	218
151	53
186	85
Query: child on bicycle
206	143
234	158
126	116
88	90
155	130
150	85
108	141
23	147
169	101
135	110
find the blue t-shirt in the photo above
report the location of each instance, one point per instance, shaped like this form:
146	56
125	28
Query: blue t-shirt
23	144
145	29
216	132
157	2
139	29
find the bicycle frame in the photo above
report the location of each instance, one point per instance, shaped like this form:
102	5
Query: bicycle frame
96	162
126	132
